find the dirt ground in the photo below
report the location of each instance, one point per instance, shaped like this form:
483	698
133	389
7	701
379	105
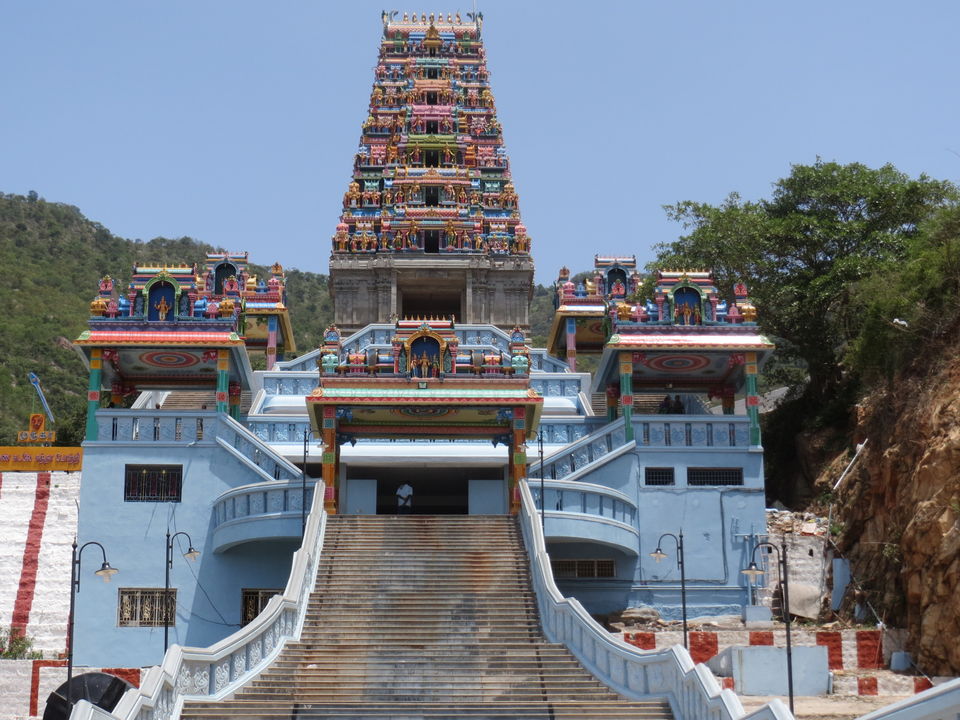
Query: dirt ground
826	707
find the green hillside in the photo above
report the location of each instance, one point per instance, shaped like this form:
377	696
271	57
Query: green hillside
52	258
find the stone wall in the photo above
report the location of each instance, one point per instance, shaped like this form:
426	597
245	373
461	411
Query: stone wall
39	521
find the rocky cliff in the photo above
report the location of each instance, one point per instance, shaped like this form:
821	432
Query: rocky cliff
898	510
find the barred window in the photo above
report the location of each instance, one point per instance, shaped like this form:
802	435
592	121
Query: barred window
563	569
152	483
255	600
658	476
143	607
714	476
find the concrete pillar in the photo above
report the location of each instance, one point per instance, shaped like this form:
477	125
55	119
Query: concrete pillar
626	392
518	456
328	432
93	392
572	344
752	399
223	380
271	341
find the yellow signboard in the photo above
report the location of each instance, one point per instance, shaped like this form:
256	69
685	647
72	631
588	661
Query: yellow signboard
38	432
41	459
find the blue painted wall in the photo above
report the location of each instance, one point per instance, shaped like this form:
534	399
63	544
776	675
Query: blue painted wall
133	534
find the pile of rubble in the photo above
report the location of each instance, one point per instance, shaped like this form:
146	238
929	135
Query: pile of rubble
785	522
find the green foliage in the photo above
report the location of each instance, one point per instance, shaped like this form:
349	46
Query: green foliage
541	315
52	258
826	228
15	645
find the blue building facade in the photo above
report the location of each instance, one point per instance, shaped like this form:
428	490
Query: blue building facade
431	382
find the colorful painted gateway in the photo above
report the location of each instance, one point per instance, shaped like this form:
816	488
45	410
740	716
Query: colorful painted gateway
425	380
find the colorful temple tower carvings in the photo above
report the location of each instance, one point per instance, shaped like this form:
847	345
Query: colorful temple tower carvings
431	210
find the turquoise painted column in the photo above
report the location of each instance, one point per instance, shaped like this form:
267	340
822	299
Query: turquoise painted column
271	341
93	392
752	399
572	344
223	380
626	392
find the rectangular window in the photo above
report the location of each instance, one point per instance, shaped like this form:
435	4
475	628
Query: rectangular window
658	476
254	601
152	483
144	607
714	476
567	569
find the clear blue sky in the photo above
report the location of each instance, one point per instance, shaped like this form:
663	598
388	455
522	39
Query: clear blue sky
236	122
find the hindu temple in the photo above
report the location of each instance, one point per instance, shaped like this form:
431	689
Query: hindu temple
424	452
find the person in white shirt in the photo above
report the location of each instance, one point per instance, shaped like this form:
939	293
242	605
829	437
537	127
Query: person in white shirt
404	498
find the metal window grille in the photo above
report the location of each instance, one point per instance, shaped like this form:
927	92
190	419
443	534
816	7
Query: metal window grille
714	476
254	600
583	568
178	429
646	433
144	607
152	483
658	476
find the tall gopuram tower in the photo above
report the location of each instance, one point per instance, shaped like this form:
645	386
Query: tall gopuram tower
431	224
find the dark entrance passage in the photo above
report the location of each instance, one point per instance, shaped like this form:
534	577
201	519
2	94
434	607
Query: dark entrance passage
436	490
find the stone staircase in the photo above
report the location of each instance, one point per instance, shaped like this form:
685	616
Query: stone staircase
424	617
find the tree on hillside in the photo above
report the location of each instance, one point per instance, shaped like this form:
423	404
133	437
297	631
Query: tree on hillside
825	227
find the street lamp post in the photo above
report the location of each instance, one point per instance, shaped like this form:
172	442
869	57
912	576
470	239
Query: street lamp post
753	571
191	554
105	572
659	555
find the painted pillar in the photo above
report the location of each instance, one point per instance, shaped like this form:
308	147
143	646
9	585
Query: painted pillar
626	393
572	344
235	400
93	391
518	460
752	400
223	380
328	434
271	341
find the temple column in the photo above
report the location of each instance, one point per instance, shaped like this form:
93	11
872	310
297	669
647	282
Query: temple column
271	341
93	392
752	401
223	380
328	435
518	456
626	393
572	344
235	400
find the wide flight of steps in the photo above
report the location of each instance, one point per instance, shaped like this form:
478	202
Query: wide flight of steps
424	617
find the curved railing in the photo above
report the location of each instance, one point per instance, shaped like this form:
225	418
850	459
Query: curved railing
692	690
261	511
218	671
589	512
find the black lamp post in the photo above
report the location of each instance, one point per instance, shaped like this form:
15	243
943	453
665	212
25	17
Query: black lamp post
753	571
191	554
543	499
105	572
659	555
